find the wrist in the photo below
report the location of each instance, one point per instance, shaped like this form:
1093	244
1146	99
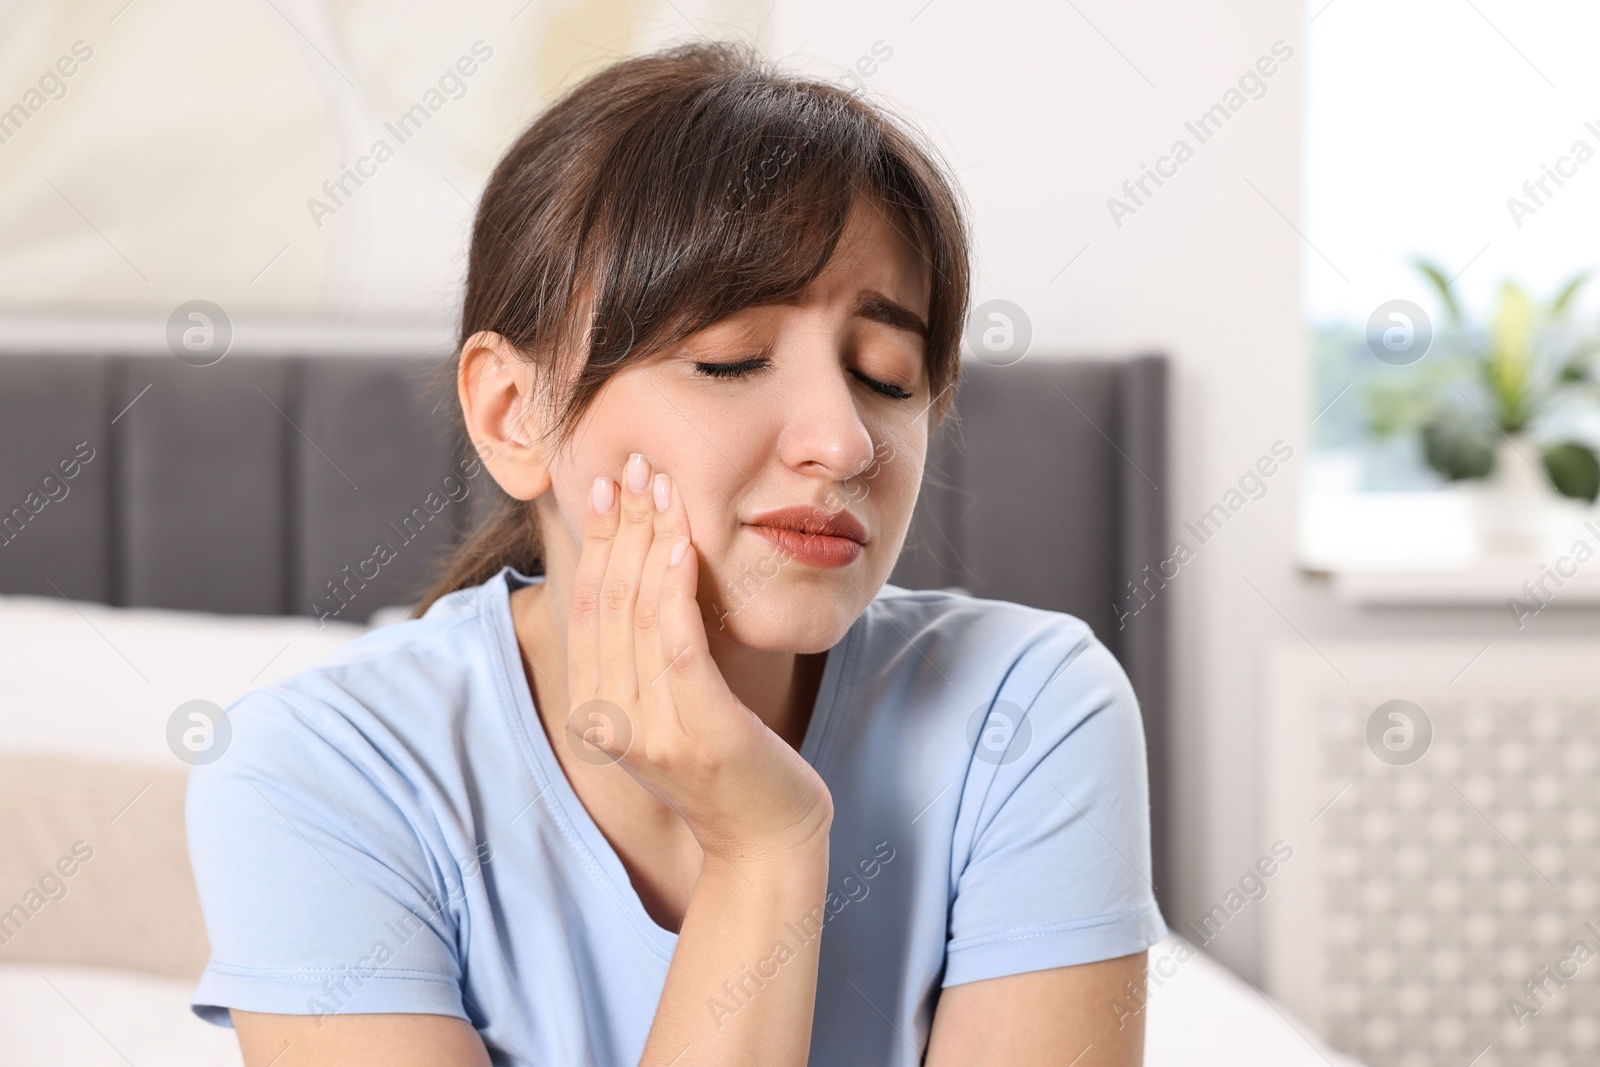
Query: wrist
802	868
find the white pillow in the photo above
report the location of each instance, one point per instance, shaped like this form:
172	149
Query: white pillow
88	680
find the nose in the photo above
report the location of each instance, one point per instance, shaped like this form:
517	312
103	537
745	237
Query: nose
823	434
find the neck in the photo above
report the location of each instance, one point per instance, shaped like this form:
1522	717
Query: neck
780	687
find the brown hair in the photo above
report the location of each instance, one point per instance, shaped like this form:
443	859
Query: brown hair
665	193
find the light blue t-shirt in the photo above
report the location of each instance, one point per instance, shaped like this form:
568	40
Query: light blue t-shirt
390	831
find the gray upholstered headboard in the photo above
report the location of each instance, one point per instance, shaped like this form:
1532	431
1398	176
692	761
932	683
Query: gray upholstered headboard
256	484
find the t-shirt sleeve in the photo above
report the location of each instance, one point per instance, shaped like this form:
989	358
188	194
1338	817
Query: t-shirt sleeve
316	884
1059	868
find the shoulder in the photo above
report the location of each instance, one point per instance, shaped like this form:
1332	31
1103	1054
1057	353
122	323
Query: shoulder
1002	668
384	708
338	815
969	632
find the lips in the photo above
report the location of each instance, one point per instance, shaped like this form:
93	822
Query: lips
809	519
808	534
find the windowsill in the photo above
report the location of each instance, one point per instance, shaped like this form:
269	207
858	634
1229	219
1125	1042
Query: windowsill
1424	548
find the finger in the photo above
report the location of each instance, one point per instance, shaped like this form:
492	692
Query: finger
698	689
583	617
619	671
671	521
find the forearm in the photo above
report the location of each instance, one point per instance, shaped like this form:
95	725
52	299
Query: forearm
742	985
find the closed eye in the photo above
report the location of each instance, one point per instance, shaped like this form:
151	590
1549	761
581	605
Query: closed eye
733	370
757	363
886	388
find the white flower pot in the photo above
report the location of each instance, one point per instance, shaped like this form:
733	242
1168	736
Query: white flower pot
1513	500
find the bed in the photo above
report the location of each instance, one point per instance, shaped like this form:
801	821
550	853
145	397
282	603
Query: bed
171	533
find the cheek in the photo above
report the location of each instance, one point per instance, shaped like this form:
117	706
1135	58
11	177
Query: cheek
572	475
709	487
613	426
896	471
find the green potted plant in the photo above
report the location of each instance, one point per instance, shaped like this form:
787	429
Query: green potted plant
1483	409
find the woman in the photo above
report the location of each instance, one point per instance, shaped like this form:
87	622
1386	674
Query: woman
665	773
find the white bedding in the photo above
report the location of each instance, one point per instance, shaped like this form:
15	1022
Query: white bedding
99	683
88	1017
1201	1017
1206	1016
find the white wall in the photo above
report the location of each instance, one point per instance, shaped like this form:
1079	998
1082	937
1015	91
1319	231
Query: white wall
184	152
1426	120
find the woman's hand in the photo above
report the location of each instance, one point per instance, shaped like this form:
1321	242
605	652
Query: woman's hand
638	662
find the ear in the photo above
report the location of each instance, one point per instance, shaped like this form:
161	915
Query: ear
495	386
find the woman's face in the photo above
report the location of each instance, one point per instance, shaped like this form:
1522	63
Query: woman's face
805	425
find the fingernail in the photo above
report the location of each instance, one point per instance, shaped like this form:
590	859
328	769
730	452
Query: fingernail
602	495
679	546
663	492
638	473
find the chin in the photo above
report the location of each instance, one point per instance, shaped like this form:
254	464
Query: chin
803	613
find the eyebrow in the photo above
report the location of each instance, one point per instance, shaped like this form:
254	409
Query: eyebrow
879	308
873	305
